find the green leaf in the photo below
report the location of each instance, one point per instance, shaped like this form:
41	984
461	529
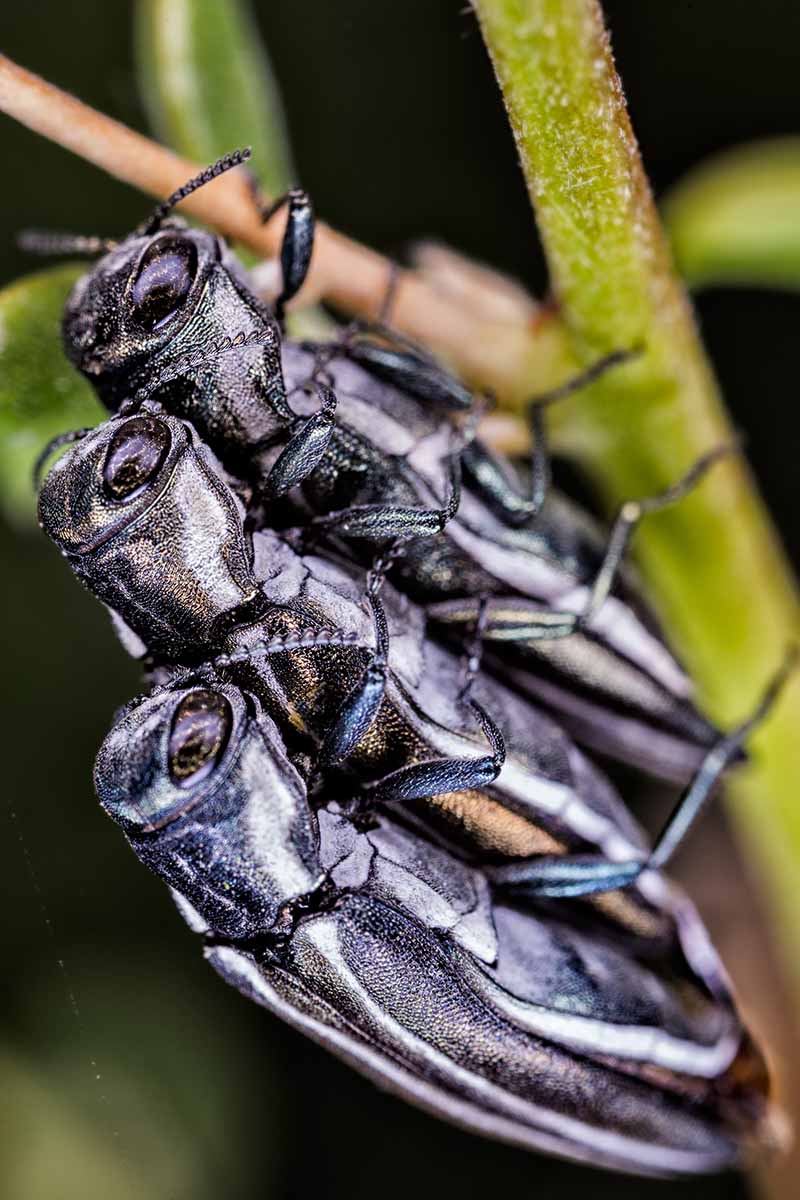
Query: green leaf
41	395
734	219
208	86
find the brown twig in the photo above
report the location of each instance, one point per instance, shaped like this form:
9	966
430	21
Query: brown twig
492	353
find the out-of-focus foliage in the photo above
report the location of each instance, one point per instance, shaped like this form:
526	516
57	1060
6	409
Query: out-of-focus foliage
208	86
131	1111
40	393
736	218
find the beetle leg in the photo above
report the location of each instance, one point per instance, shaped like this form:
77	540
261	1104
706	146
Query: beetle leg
359	326
444	775
563	877
410	372
394	336
493	481
360	707
297	243
473	650
628	519
586	875
379	521
532	624
306	447
507	619
395	359
324	353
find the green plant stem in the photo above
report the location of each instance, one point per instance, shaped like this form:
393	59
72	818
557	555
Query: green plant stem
714	565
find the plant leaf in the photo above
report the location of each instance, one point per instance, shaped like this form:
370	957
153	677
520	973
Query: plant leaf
41	395
208	86
734	219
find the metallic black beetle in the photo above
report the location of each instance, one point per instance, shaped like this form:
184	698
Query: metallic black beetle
603	1031
517	1024
144	516
366	458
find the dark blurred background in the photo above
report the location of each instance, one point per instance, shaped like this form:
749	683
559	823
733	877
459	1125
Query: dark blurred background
126	1068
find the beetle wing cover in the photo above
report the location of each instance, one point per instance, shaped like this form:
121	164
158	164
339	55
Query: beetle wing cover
515	1023
400	1004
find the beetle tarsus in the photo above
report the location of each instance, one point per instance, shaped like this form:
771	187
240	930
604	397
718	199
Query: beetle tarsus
305	449
297	244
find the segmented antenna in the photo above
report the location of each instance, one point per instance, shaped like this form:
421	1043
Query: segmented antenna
302	640
42	241
162	210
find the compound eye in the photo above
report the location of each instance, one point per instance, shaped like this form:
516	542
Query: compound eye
134	457
200	730
164	279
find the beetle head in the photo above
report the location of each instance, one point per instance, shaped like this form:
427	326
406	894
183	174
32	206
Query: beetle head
136	298
199	780
155	307
141	511
163	298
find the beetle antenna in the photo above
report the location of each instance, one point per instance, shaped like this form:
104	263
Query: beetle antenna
162	210
62	439
42	241
304	639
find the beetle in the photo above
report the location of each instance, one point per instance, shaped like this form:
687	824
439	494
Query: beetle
357	443
514	1021
146	519
413	946
143	514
